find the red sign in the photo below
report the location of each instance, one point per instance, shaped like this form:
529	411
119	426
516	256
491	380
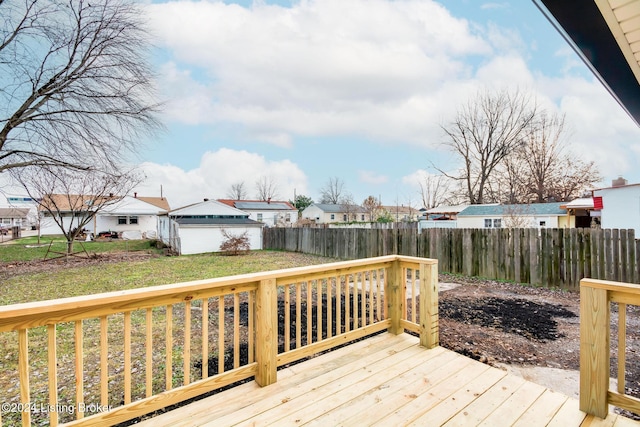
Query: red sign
597	203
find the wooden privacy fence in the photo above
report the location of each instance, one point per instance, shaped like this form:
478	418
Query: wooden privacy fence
544	257
104	359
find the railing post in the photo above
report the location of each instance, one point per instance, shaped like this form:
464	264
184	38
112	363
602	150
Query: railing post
266	332
429	329
595	320
395	285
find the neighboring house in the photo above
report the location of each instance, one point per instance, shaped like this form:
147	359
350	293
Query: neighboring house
537	215
402	213
441	217
619	205
271	213
13	217
199	228
135	216
326	213
580	213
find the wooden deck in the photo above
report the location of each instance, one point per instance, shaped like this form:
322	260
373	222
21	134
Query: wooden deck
388	380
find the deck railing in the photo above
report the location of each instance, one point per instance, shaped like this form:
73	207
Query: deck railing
108	358
596	297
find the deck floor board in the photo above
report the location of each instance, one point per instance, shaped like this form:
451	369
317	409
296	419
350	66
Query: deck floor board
387	380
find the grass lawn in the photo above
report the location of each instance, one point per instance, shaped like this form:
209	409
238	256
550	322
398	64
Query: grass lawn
58	279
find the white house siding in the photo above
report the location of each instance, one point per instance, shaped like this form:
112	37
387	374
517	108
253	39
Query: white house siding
315	213
145	223
620	207
196	239
271	218
528	221
49	227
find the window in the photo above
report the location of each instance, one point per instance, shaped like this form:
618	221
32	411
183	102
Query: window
133	220
497	223
344	217
543	223
122	220
260	217
333	216
487	223
362	218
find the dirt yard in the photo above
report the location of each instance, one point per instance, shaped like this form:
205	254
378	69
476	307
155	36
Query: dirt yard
533	332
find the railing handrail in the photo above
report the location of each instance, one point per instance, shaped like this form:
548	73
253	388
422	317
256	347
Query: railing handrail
595	332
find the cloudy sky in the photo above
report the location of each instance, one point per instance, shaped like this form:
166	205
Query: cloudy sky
302	91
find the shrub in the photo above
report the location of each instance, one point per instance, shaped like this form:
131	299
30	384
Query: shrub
235	244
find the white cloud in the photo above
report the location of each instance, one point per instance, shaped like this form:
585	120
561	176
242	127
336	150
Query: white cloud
217	172
370	177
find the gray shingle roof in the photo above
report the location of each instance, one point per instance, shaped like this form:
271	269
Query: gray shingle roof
523	210
331	208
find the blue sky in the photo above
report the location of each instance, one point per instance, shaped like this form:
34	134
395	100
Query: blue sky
302	91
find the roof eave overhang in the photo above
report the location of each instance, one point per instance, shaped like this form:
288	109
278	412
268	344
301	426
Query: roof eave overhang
593	31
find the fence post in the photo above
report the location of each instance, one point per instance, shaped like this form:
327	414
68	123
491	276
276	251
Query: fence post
594	350
394	288
266	332
429	329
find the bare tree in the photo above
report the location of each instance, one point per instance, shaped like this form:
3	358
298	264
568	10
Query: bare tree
372	206
76	86
517	216
237	191
332	192
486	130
73	198
434	190
349	207
266	188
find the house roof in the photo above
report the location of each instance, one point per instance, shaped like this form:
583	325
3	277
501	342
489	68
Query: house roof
400	209
604	35
447	209
615	187
581	203
133	206
68	202
160	202
519	210
208	207
338	208
14	213
259	205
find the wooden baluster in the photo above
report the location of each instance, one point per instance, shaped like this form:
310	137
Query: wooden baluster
221	321
338	305
363	299
319	307
622	346
149	353
205	338
414	296
379	294
354	301
371	274
347	304
298	315
169	349
251	326
104	362
309	313
287	318
23	374
186	357
127	357
236	330
53	374
79	368
330	282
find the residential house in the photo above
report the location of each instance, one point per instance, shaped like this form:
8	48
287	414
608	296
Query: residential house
401	213
440	217
13	217
271	213
538	215
581	214
201	227
326	213
135	216
619	205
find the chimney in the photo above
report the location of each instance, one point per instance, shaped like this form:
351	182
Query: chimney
206	200
135	195
619	182
269	201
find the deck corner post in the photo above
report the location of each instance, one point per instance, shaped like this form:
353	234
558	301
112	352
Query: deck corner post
266	332
394	288
595	319
429	327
